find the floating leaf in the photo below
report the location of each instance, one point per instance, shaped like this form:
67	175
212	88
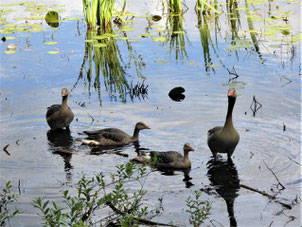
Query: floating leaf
50	43
127	29
123	38
98	37
9	51
146	35
134	40
21	18
53	52
52	19
9	37
285	32
159	39
100	45
156	18
89	40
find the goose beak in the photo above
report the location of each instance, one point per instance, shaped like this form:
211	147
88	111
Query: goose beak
147	127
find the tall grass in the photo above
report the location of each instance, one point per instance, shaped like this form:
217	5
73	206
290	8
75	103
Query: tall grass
98	13
174	6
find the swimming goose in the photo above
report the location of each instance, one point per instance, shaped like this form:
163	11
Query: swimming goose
60	116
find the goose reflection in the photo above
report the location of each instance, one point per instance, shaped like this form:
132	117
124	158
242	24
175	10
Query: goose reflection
224	178
60	142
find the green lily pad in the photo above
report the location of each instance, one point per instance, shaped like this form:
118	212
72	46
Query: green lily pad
50	43
54	52
98	37
156	18
159	39
285	32
9	52
146	35
127	29
178	32
21	18
100	45
123	38
134	40
52	19
10	37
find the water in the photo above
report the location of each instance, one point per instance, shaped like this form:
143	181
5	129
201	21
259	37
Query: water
31	81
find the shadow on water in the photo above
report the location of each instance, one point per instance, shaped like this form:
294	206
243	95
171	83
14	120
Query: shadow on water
104	59
224	178
171	172
60	142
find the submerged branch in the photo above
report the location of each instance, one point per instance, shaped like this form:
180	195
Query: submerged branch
266	195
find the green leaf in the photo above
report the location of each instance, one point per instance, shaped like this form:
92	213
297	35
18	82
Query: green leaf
159	39
53	52
9	51
50	43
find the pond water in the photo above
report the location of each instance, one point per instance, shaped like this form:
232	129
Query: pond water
201	58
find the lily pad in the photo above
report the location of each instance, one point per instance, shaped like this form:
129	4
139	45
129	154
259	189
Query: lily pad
54	52
50	43
52	19
159	39
176	94
156	18
9	51
123	38
285	32
100	45
10	37
127	29
146	35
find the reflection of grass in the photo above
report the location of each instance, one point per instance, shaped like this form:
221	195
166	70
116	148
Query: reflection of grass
176	36
109	65
205	38
251	28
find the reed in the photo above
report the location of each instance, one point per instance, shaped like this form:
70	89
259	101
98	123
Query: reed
98	13
174	6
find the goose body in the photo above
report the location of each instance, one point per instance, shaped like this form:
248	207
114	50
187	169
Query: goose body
60	116
224	139
168	159
112	136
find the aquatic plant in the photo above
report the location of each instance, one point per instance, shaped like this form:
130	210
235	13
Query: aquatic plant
174	6
6	199
98	13
199	210
92	194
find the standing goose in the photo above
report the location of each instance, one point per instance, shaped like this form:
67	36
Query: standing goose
168	159
224	139
112	136
60	116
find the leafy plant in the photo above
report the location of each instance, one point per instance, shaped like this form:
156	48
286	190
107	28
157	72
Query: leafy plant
198	210
92	194
99	12
6	198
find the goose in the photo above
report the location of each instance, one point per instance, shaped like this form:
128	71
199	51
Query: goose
60	116
112	136
225	139
168	159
